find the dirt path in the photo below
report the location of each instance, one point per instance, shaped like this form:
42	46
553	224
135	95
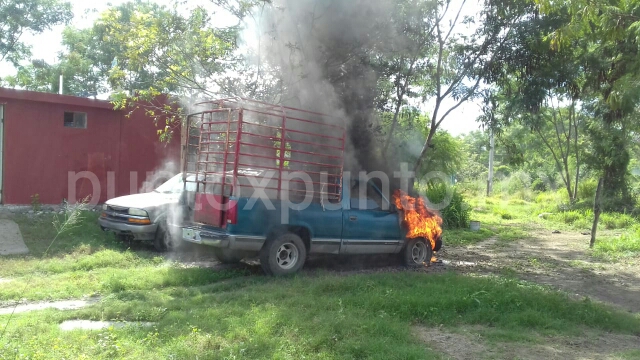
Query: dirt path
559	260
468	343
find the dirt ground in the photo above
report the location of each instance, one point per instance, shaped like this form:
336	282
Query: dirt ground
558	260
467	343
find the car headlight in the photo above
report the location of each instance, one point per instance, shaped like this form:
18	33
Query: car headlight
138	212
104	207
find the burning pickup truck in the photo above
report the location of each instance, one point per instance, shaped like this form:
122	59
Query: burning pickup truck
271	184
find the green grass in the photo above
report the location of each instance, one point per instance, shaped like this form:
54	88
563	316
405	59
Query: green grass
630	355
618	247
459	237
512	219
206	313
323	316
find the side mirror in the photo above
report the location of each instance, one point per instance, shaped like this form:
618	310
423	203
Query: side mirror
393	208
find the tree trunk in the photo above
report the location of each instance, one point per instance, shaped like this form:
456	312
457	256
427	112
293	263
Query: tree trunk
424	151
597	208
575	134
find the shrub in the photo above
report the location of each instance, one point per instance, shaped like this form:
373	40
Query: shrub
581	219
587	189
457	213
517	182
622	246
517	202
504	215
538	185
504	170
616	221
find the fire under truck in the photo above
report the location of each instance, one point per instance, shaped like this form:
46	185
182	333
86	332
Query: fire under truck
263	180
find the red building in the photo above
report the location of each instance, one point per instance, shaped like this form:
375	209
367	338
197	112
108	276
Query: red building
53	145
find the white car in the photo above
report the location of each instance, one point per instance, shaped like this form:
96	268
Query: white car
143	217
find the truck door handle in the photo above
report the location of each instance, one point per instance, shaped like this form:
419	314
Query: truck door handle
353	218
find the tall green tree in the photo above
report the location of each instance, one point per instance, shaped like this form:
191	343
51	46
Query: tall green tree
539	86
610	31
19	17
461	62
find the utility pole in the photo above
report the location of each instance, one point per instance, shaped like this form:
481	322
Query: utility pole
492	145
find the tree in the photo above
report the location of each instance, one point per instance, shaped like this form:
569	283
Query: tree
141	51
462	62
540	87
402	74
27	16
409	135
609	31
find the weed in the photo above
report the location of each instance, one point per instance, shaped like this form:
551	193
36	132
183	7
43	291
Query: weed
625	245
456	214
35	202
461	237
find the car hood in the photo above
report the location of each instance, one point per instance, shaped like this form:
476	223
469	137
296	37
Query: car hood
144	201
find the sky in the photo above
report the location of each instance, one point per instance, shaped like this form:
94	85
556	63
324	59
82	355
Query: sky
47	45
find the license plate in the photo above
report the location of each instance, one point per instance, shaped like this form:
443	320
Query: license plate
191	235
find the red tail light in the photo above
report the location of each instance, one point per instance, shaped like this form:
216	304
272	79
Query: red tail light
232	212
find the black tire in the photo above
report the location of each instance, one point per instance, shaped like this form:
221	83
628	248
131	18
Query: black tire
438	245
122	238
163	240
283	255
226	257
417	253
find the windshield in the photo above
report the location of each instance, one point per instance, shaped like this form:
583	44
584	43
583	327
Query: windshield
173	185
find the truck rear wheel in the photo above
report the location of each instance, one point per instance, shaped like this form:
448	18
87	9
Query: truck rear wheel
283	255
417	253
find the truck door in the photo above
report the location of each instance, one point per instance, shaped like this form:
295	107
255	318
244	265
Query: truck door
367	227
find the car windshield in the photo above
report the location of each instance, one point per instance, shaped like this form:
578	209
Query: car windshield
173	185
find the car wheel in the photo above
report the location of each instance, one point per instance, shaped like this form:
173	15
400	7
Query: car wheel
122	238
226	257
417	253
163	240
283	255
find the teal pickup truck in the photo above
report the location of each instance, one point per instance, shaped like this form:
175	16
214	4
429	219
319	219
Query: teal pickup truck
245	202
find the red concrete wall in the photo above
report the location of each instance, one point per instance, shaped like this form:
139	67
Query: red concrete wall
39	151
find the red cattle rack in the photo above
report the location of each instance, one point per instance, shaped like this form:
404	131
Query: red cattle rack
234	144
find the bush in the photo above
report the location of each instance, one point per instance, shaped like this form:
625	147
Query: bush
504	170
517	182
538	185
456	214
504	215
616	221
626	245
587	189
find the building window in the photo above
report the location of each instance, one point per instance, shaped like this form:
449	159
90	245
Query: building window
75	120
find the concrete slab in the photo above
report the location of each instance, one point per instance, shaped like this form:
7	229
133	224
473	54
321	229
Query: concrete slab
60	305
99	325
11	242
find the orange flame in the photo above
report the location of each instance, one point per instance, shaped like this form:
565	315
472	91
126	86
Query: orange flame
419	220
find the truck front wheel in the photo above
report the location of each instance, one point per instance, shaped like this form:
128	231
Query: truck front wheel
283	255
163	241
417	253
